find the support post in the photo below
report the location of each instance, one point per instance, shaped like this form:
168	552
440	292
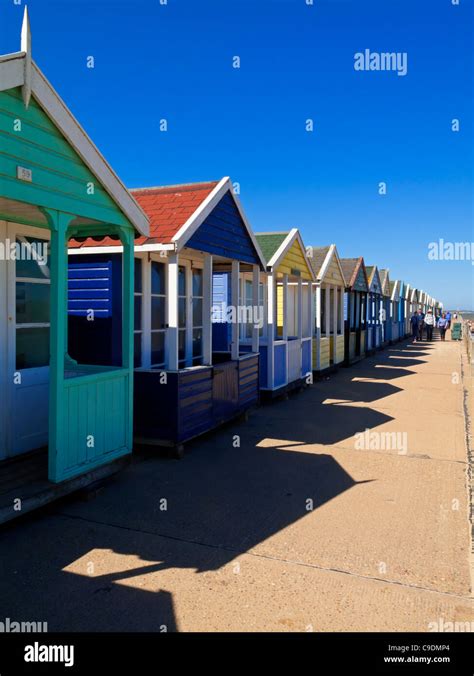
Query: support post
300	309
207	311
334	323
270	328
256	306
285	307
327	327
234	348
318	327
58	346
172	360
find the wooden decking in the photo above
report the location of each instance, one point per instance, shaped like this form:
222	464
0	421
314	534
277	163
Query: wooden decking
24	484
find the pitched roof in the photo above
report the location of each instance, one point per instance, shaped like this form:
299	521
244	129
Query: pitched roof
167	207
318	257
270	242
350	267
385	281
19	70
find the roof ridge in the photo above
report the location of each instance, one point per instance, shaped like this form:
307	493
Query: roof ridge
183	186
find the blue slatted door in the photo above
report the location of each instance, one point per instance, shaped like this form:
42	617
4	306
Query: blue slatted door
221	329
90	289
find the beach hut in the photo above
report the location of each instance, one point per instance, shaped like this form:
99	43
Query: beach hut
328	326
54	186
286	347
402	313
191	372
414	300
394	312
374	309
355	314
386	306
407	305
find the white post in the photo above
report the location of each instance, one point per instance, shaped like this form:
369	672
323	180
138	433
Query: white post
172	307
188	340
256	305
207	311
270	327
318	327
285	298
334	324
310	310
146	311
341	310
327	328
300	308
235	304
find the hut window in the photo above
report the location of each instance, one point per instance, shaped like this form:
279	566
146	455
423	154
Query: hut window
197	300
158	313
246	327
138	305
323	310
32	309
340	300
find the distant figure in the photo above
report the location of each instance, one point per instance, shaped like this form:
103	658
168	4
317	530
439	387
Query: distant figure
429	323
421	324
414	326
455	315
442	324
448	319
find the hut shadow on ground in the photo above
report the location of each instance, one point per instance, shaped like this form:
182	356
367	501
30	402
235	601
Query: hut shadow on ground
236	488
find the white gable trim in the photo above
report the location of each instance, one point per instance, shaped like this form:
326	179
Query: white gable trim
332	253
396	291
12	74
196	219
287	243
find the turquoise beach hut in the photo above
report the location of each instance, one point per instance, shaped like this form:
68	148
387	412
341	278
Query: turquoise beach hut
55	186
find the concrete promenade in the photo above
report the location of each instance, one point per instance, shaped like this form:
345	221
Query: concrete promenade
345	508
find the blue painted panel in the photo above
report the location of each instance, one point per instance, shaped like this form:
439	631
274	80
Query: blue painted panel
98	341
223	233
221	329
248	382
306	347
279	368
90	287
263	366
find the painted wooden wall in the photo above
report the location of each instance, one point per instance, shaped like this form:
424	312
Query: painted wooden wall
223	233
333	274
60	178
294	260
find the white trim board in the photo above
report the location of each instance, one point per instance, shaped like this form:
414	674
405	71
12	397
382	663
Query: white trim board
18	70
187	230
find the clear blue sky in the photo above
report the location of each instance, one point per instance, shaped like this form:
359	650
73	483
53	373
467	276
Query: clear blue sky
174	61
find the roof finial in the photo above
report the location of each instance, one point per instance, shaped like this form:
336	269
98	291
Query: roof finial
26	47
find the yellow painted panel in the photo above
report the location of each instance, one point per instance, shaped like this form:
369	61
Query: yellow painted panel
340	349
324	350
279	306
333	274
295	260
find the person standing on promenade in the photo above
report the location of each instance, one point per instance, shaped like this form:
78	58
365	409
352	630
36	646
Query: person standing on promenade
429	322
421	324
448	319
442	324
414	326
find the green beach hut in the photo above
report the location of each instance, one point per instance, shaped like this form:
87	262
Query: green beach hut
55	186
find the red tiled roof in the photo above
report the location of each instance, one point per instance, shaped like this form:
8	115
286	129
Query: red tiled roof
167	207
